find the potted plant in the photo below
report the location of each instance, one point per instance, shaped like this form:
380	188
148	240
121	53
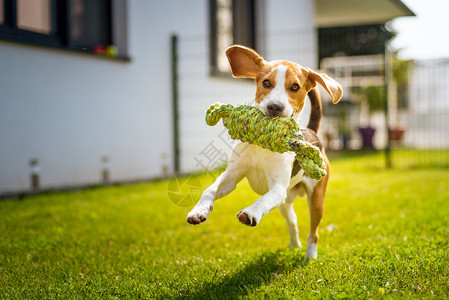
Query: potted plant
398	98
373	97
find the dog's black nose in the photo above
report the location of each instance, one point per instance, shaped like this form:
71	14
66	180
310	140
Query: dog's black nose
275	108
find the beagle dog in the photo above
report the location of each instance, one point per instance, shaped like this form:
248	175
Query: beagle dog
281	90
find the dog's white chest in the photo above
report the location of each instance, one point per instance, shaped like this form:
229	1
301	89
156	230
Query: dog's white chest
261	167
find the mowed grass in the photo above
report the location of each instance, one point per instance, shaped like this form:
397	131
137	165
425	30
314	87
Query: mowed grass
384	233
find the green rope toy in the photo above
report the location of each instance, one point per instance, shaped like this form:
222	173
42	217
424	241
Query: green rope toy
278	134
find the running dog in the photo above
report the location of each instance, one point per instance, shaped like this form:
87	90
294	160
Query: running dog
281	89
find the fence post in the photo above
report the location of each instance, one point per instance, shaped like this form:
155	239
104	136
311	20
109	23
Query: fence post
387	78
175	98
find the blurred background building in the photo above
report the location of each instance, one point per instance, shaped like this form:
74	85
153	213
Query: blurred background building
93	92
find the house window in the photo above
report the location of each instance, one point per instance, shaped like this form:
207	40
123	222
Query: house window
232	22
2	18
30	21
34	15
80	25
91	23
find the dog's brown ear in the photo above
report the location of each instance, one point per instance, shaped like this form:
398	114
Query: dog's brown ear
329	84
245	62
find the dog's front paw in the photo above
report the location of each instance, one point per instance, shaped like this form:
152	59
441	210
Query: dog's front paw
199	214
248	217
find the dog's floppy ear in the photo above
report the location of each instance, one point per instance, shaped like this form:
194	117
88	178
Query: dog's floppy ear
330	85
245	62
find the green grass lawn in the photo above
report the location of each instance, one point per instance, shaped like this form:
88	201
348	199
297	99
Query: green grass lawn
384	233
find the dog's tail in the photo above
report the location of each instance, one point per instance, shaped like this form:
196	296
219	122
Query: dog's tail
316	110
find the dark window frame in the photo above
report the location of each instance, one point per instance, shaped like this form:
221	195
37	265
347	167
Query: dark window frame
75	46
60	35
247	18
10	31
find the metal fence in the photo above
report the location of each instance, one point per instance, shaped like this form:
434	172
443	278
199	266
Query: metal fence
425	116
414	130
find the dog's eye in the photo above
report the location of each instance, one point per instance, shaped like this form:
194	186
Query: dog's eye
295	87
266	83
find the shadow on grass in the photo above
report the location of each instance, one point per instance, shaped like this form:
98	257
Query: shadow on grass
255	273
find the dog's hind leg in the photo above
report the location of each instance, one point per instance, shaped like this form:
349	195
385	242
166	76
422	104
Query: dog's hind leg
316	207
289	214
223	185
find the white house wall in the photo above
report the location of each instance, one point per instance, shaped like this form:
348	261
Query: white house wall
69	110
290	31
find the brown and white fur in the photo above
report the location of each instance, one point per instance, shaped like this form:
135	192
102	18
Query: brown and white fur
282	87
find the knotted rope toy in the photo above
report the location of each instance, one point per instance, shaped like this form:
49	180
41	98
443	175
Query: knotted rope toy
278	134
